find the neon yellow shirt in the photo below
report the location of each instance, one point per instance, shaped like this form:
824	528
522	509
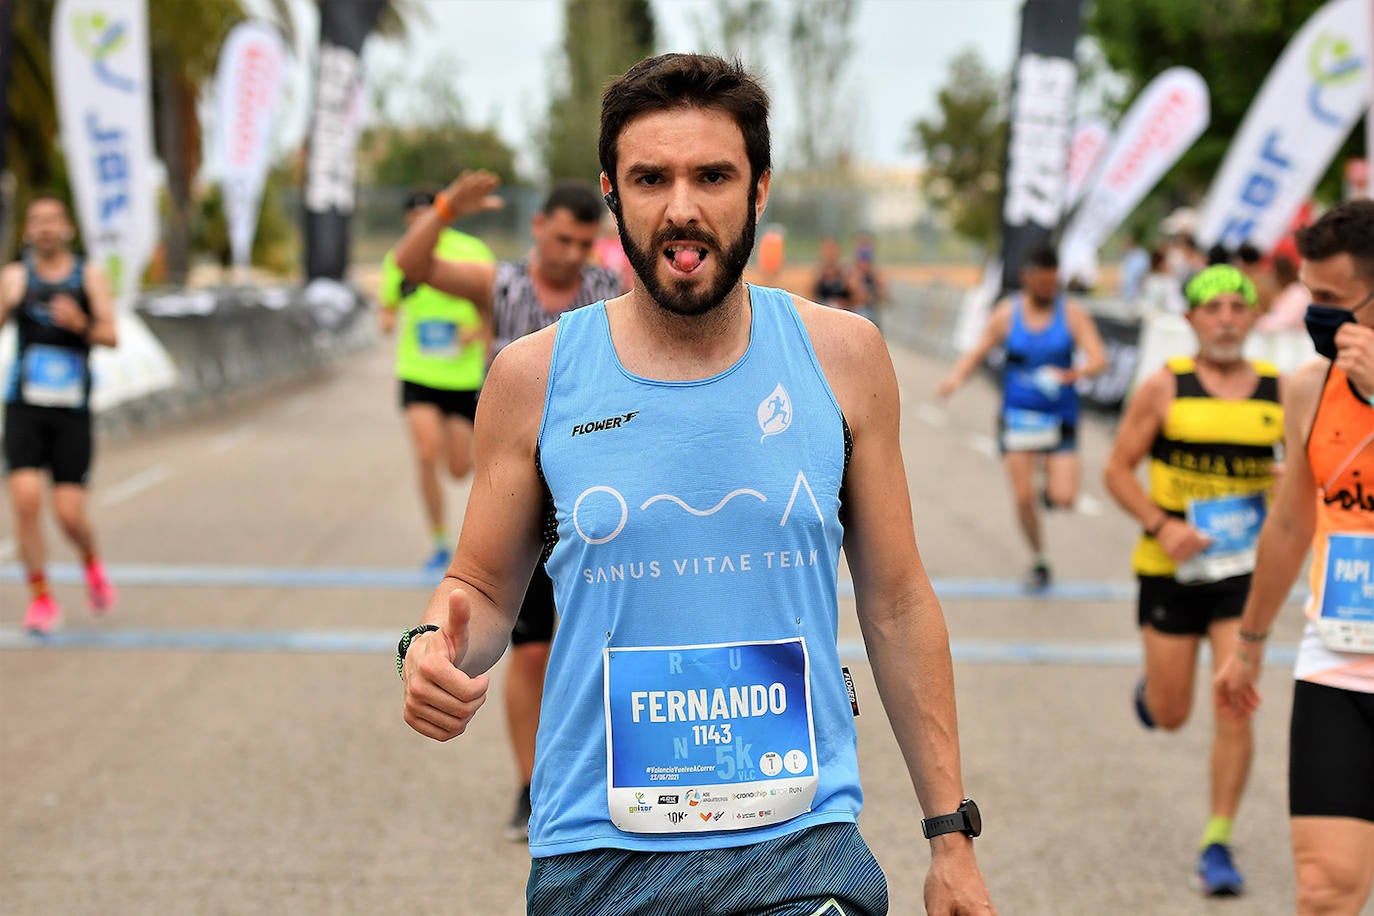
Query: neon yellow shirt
429	348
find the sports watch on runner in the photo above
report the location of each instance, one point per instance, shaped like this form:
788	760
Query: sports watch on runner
967	820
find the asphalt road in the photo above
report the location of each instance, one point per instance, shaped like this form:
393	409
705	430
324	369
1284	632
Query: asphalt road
230	739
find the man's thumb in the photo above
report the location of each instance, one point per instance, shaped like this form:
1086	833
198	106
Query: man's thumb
456	627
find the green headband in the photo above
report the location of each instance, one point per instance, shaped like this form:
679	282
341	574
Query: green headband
1217	280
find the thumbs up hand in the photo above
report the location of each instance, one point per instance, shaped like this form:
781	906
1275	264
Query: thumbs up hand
440	700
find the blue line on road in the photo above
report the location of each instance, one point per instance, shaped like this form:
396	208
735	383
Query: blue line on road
381	578
370	642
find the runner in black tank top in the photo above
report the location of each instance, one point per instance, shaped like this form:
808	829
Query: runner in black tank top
61	306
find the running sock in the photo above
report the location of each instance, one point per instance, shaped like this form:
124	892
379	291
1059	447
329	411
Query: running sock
1218	831
1040	560
38	584
440	538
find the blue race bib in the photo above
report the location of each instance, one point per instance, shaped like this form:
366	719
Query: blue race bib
707	738
437	339
53	376
1030	430
1233	523
1346	621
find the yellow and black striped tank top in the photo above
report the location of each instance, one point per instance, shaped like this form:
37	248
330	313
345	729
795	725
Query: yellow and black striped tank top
1210	447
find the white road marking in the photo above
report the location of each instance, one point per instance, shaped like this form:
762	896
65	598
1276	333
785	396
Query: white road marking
1088	505
983	444
227	440
143	480
931	415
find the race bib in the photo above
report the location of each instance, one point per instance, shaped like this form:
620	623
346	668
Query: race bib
438	339
708	738
53	376
1030	430
1233	523
1346	621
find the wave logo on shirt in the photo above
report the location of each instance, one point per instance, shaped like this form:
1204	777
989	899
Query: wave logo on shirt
775	412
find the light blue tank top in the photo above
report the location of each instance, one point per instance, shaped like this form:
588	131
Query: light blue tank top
1028	351
689	515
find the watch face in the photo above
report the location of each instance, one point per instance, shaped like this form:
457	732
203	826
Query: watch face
973	815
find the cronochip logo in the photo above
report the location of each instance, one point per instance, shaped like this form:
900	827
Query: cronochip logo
775	412
99	37
1332	63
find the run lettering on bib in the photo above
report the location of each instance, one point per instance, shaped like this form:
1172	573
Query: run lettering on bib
53	376
707	738
1346	622
1233	523
437	339
1030	430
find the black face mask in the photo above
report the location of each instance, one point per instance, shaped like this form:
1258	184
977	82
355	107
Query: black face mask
1323	321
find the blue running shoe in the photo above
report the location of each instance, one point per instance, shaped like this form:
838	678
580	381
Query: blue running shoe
438	563
1142	712
1216	873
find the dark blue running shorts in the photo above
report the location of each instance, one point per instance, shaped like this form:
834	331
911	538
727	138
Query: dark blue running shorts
826	870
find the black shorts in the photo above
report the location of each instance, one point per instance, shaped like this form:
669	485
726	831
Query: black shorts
58	439
450	403
1189	610
1331	753
535	623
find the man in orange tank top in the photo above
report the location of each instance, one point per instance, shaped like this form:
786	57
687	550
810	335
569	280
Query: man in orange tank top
1326	502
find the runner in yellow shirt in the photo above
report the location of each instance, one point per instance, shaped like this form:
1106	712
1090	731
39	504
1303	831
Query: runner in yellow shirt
441	357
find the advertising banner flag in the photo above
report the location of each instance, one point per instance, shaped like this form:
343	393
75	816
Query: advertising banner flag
1164	121
330	183
1089	143
1305	109
1042	103
104	107
249	84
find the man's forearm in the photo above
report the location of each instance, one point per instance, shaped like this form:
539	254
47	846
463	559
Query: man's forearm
414	253
909	651
1282	550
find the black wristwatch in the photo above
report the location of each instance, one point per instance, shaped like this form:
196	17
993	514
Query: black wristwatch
967	820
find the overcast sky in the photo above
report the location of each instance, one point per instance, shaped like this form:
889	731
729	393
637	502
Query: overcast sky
500	53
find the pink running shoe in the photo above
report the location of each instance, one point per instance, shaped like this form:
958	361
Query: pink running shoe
43	615
99	592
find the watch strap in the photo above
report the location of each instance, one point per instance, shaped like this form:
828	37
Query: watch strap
404	645
932	827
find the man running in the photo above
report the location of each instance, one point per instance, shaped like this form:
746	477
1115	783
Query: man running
1040	330
693	541
1325	502
522	297
1209	425
441	357
62	307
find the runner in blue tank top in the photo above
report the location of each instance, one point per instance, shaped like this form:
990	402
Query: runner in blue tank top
1040	331
690	458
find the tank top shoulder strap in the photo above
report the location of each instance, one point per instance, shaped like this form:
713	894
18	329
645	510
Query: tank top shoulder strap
1268	387
1018	325
1186	382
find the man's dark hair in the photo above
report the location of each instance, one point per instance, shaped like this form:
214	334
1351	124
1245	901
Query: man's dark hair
1248	254
1157	259
1346	228
1041	257
673	81
581	201
421	195
1285	271
1218	254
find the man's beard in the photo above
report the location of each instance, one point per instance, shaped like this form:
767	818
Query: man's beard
676	297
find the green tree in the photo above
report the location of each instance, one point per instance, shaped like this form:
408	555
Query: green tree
820	44
602	38
1233	45
737	30
963	146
